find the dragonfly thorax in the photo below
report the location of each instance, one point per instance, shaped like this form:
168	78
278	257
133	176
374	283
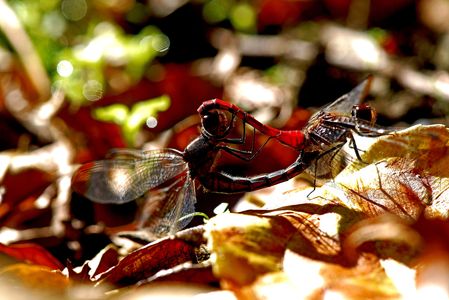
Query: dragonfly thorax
199	154
321	136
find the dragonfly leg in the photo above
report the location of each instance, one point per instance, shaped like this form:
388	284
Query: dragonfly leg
236	141
315	163
360	126
353	145
334	149
371	132
222	182
246	155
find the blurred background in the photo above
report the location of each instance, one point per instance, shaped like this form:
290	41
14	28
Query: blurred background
78	78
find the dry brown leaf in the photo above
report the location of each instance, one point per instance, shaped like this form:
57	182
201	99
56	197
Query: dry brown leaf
146	261
404	174
244	247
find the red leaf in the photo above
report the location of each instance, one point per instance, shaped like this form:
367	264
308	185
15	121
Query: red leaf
32	253
99	136
103	261
146	261
108	260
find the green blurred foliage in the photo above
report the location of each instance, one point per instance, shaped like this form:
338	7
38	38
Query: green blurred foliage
88	54
132	120
242	15
107	48
79	44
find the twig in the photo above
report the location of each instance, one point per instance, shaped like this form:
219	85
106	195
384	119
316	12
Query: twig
19	39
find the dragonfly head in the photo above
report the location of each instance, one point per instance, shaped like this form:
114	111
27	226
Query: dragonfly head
364	112
216	124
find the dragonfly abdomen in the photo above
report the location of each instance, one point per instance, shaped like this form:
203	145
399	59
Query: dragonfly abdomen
222	182
292	138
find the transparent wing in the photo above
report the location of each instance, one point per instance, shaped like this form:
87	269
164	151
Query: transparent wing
131	154
168	210
345	103
128	175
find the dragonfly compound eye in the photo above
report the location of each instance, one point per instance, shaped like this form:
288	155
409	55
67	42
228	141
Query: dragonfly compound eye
215	124
364	112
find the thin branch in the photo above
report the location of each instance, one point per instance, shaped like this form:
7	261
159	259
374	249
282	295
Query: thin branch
19	39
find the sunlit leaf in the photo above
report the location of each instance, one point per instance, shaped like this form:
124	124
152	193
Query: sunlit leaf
405	173
303	278
253	245
35	278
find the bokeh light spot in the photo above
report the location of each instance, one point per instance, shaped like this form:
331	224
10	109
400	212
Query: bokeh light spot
160	43
243	17
54	24
74	10
93	90
215	11
151	122
64	68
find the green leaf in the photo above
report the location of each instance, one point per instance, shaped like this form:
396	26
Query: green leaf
132	120
116	113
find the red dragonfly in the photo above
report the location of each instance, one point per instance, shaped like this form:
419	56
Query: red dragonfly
168	175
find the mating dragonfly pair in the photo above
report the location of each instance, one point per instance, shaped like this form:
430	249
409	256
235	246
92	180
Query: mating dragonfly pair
167	176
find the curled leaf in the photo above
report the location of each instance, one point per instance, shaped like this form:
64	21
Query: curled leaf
401	241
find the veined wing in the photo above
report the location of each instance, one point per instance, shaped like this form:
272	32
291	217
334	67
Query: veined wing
169	209
345	103
128	175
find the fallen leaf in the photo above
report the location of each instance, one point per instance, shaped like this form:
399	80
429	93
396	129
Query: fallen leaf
19	200
404	173
187	272
106	259
175	290
36	278
389	236
146	261
305	278
244	247
432	265
32	253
